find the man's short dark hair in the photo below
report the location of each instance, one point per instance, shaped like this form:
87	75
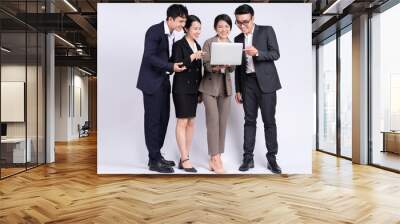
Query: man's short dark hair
177	10
244	9
223	17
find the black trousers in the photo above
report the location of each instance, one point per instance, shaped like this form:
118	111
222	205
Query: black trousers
254	98
156	117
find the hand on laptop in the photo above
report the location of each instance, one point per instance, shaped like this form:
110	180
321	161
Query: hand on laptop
218	68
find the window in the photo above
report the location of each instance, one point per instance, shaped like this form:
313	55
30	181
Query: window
346	75
327	96
385	89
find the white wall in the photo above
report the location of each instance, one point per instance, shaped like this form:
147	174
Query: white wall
61	103
79	117
121	144
67	84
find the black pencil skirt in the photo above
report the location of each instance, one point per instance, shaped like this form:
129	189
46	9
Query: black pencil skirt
185	105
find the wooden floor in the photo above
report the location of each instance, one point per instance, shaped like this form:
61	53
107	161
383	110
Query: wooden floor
387	159
5	172
70	191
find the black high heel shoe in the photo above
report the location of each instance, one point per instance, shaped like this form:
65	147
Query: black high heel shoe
190	170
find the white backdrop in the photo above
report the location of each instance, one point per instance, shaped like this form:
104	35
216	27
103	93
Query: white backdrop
121	144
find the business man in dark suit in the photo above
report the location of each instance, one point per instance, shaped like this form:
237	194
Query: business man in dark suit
256	82
154	82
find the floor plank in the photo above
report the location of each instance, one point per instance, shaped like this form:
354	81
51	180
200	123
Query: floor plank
70	191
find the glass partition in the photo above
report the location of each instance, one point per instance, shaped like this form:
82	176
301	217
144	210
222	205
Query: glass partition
22	77
327	96
385	89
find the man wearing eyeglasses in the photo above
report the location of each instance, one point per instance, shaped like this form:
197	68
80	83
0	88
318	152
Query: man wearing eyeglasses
257	81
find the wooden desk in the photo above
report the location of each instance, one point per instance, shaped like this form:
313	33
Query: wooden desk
391	141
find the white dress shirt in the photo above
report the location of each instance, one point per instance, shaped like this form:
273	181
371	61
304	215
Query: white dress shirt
194	47
248	42
171	37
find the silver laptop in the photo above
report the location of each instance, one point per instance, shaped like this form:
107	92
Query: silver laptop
226	53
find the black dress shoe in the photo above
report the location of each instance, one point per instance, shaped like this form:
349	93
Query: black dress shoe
167	162
190	170
160	167
274	167
248	163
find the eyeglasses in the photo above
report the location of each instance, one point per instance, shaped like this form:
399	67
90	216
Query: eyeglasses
241	23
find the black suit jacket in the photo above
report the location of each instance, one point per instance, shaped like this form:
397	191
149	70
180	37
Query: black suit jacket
264	39
155	61
187	81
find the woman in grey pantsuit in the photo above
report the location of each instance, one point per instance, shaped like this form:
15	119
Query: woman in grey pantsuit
216	89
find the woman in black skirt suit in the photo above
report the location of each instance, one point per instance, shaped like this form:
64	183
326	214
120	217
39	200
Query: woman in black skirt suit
185	88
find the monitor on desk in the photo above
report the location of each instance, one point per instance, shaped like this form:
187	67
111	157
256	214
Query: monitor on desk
3	130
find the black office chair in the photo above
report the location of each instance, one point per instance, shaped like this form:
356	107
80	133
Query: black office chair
84	130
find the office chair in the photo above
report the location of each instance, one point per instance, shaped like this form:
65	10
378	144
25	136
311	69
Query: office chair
84	130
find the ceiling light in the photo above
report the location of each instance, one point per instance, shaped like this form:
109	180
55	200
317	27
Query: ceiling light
70	5
337	7
65	41
84	71
5	50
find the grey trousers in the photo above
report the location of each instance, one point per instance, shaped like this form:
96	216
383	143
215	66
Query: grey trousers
217	112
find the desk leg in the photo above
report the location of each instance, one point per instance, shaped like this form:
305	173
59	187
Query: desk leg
384	142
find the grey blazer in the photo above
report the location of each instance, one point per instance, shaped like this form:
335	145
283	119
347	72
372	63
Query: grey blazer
208	83
264	39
